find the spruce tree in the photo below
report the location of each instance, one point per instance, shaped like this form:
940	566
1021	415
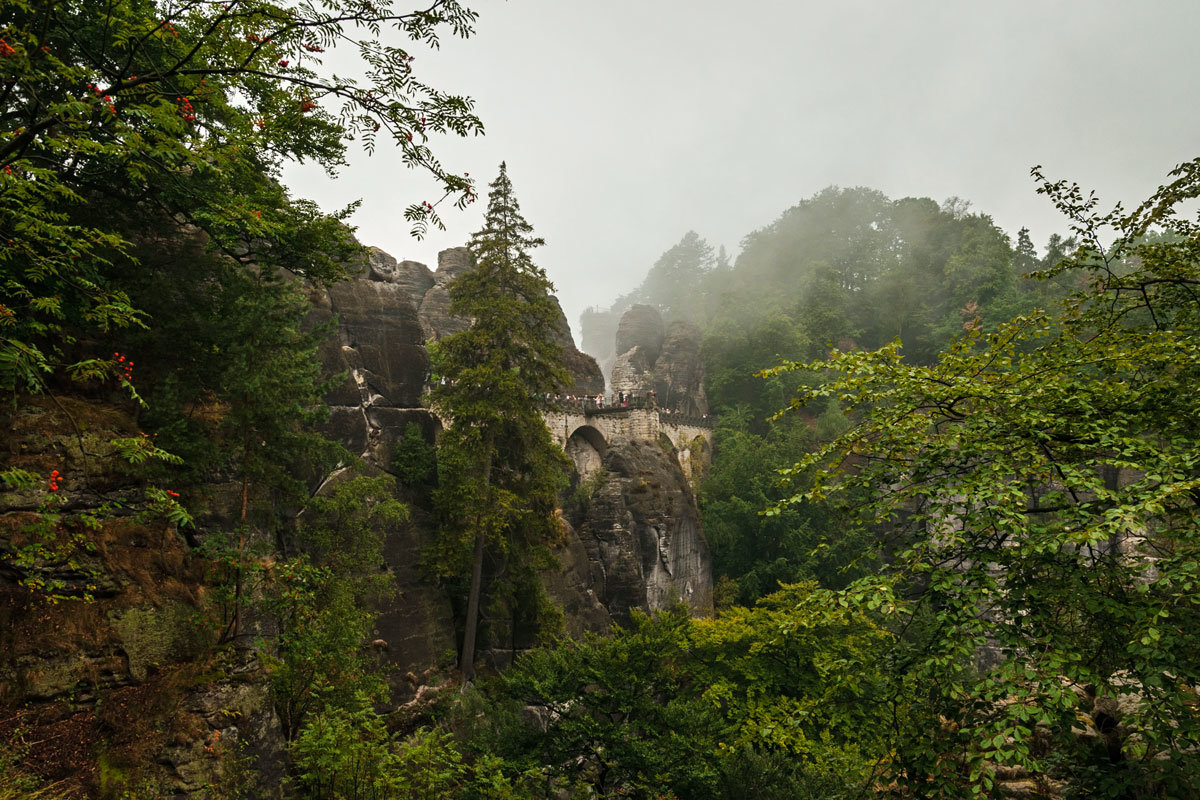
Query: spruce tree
499	470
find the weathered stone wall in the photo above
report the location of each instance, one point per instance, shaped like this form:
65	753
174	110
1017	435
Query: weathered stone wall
688	435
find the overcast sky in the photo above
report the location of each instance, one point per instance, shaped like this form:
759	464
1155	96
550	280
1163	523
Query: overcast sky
629	122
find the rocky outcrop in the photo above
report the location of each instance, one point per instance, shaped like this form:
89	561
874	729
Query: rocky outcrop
116	679
429	295
666	362
380	339
435	305
411	276
384	318
641	532
378	347
633	372
572	588
641	327
679	370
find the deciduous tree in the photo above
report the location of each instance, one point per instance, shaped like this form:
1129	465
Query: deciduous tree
1036	489
184	111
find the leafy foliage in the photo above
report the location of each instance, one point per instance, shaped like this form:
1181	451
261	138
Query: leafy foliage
1038	487
349	754
805	542
677	707
414	460
184	111
320	601
676	282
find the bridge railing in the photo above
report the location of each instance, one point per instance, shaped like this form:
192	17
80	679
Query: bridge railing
589	405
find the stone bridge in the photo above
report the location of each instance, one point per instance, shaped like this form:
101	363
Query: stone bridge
585	432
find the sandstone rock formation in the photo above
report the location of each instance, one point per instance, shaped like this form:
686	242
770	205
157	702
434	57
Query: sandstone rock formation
642	327
119	673
666	362
428	293
435	305
641	533
385	316
679	370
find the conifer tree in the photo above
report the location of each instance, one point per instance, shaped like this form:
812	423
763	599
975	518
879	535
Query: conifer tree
499	470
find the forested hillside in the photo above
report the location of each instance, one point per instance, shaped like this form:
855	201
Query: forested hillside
284	517
846	269
979	447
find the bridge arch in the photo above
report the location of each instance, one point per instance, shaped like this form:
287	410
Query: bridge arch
586	447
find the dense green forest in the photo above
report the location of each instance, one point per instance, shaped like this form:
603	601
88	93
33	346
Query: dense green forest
845	269
935	422
952	502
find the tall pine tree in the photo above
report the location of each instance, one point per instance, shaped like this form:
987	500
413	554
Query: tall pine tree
499	470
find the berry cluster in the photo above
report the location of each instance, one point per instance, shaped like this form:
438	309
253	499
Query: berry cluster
312	48
104	98
54	480
168	27
186	110
126	367
6	49
307	105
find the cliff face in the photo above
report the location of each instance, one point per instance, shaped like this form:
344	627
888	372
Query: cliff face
640	546
428	293
127	676
119	678
641	534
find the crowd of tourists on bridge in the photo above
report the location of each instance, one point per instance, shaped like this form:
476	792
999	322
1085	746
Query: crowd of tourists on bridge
617	401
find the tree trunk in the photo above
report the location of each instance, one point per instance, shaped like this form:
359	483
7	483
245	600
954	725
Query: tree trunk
468	652
237	589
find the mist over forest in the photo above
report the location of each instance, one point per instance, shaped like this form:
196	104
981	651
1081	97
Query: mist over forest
846	269
890	500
